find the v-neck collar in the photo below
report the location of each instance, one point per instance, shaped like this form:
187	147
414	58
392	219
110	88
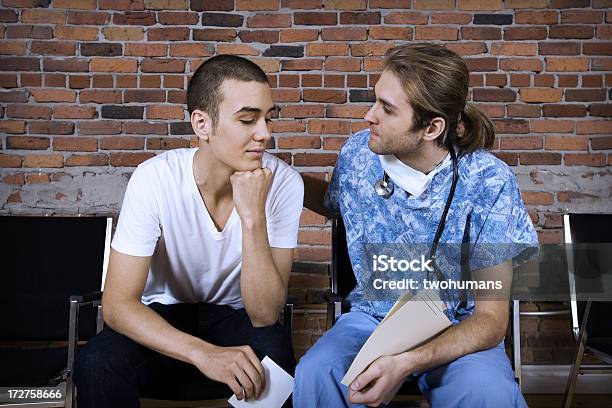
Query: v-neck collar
193	186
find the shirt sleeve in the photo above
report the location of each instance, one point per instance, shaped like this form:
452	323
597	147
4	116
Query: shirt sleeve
505	230
138	228
331	201
284	220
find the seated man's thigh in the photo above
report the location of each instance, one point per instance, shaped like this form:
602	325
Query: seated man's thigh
227	327
321	369
482	379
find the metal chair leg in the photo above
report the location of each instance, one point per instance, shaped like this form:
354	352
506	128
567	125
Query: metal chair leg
516	342
570	386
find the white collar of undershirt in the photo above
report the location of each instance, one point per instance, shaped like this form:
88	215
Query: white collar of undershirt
412	181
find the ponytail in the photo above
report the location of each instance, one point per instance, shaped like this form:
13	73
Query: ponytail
478	133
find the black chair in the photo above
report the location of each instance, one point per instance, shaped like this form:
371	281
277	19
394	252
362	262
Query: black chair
45	261
591	320
342	282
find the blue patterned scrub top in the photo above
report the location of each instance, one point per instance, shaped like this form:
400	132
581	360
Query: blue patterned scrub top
487	209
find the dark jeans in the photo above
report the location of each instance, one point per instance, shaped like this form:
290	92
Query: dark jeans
114	371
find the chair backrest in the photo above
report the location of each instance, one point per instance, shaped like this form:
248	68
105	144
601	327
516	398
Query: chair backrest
45	261
586	229
342	276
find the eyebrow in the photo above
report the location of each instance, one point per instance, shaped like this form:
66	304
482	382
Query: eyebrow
252	109
389	104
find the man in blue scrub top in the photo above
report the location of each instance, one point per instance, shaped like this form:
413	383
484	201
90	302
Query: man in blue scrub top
421	113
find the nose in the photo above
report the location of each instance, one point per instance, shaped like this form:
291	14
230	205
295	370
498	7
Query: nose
262	132
369	116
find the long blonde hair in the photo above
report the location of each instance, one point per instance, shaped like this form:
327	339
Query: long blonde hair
435	80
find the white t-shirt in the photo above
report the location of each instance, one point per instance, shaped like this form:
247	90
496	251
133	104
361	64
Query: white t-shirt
163	215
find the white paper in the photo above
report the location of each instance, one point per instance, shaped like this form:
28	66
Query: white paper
279	385
409	323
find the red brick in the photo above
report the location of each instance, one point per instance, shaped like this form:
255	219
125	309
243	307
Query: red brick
601	143
74	112
370	49
564	110
567	64
540	95
537	198
481	33
12	126
481	64
87	160
566	142
302	111
406	17
165	112
285	95
113	65
145	128
346	111
540	158
17	179
178	18
51	127
88	18
582	16
43	160
584	159
100	96
10	160
326	49
391	33
99	127
344	34
76	33
434	4
298	35
322	126
28	112
27	143
121	159
451	18
121	4
597	48
524	111
521	64
53	95
541	17
346	4
269	21
559	48
552	126
261	36
38	15
299	142
550	236
496	80
75	144
342	64
146	50
333	143
519	49
471	48
212	34
594	127
314	159
521	143
257	5
38	178
190	50
571	31
601	109
166	143
122	143
568	81
168	34
525	33
570	196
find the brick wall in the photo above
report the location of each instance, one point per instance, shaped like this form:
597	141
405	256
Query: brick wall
91	88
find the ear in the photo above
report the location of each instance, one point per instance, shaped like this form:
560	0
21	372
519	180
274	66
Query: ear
201	123
435	129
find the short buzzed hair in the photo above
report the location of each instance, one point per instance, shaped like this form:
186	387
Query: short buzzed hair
204	89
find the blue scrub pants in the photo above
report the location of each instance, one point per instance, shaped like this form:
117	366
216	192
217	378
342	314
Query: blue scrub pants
482	379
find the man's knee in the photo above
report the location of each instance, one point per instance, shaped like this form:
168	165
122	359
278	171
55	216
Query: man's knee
484	389
274	342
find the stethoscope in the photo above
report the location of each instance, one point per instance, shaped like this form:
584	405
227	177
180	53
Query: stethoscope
385	188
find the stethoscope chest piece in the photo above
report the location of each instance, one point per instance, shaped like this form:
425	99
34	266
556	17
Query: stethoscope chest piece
384	187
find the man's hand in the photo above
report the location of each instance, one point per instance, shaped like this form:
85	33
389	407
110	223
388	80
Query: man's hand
238	367
382	377
250	190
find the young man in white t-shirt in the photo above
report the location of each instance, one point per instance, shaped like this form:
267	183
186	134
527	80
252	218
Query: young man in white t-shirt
201	257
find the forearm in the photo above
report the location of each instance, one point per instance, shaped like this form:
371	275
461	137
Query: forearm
143	325
475	333
314	194
262	287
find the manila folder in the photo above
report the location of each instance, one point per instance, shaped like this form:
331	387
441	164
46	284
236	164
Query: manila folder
409	323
